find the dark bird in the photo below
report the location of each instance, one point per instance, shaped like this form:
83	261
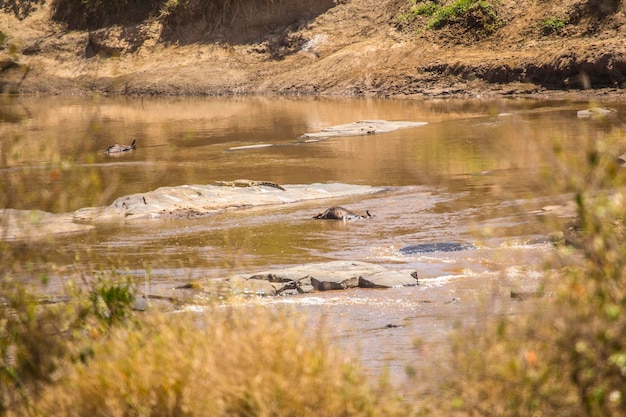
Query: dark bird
117	148
340	213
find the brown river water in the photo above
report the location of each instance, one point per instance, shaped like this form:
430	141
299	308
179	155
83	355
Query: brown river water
474	174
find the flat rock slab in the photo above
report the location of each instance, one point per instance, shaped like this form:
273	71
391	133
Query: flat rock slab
36	224
185	201
324	276
389	279
594	112
362	127
198	200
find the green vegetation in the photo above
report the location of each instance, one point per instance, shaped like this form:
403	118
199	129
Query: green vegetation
111	301
38	340
474	14
552	25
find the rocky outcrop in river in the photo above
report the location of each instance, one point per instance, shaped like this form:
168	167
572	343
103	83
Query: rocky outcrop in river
184	201
307	278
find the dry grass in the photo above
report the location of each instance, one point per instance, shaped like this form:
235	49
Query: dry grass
567	354
250	361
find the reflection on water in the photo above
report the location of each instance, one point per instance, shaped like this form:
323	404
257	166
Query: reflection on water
472	174
56	145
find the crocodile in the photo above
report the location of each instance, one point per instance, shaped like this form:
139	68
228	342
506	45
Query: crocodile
249	183
117	148
340	213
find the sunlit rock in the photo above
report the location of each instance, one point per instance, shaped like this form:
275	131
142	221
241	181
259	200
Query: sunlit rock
306	278
189	201
255	146
36	224
594	112
561	210
389	279
240	285
185	201
362	127
341	275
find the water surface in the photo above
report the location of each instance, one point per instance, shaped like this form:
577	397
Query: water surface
474	174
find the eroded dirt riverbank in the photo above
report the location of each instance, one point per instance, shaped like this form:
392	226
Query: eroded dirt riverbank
351	48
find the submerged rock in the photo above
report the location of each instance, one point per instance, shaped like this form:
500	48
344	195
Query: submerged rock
359	128
436	247
594	112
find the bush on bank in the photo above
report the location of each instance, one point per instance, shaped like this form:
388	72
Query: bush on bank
38	340
479	15
567	355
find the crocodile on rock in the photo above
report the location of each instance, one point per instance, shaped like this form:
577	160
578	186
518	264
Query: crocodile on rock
249	183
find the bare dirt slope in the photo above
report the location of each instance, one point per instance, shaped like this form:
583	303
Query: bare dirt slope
354	47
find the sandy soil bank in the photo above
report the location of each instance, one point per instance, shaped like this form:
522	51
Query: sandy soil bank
348	48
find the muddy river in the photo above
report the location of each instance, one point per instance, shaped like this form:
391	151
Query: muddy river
476	173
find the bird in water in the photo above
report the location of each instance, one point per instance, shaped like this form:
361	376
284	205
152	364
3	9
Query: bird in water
117	148
340	213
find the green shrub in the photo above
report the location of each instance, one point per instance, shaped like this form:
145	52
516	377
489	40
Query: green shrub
480	15
38	340
111	302
462	9
427	9
552	25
